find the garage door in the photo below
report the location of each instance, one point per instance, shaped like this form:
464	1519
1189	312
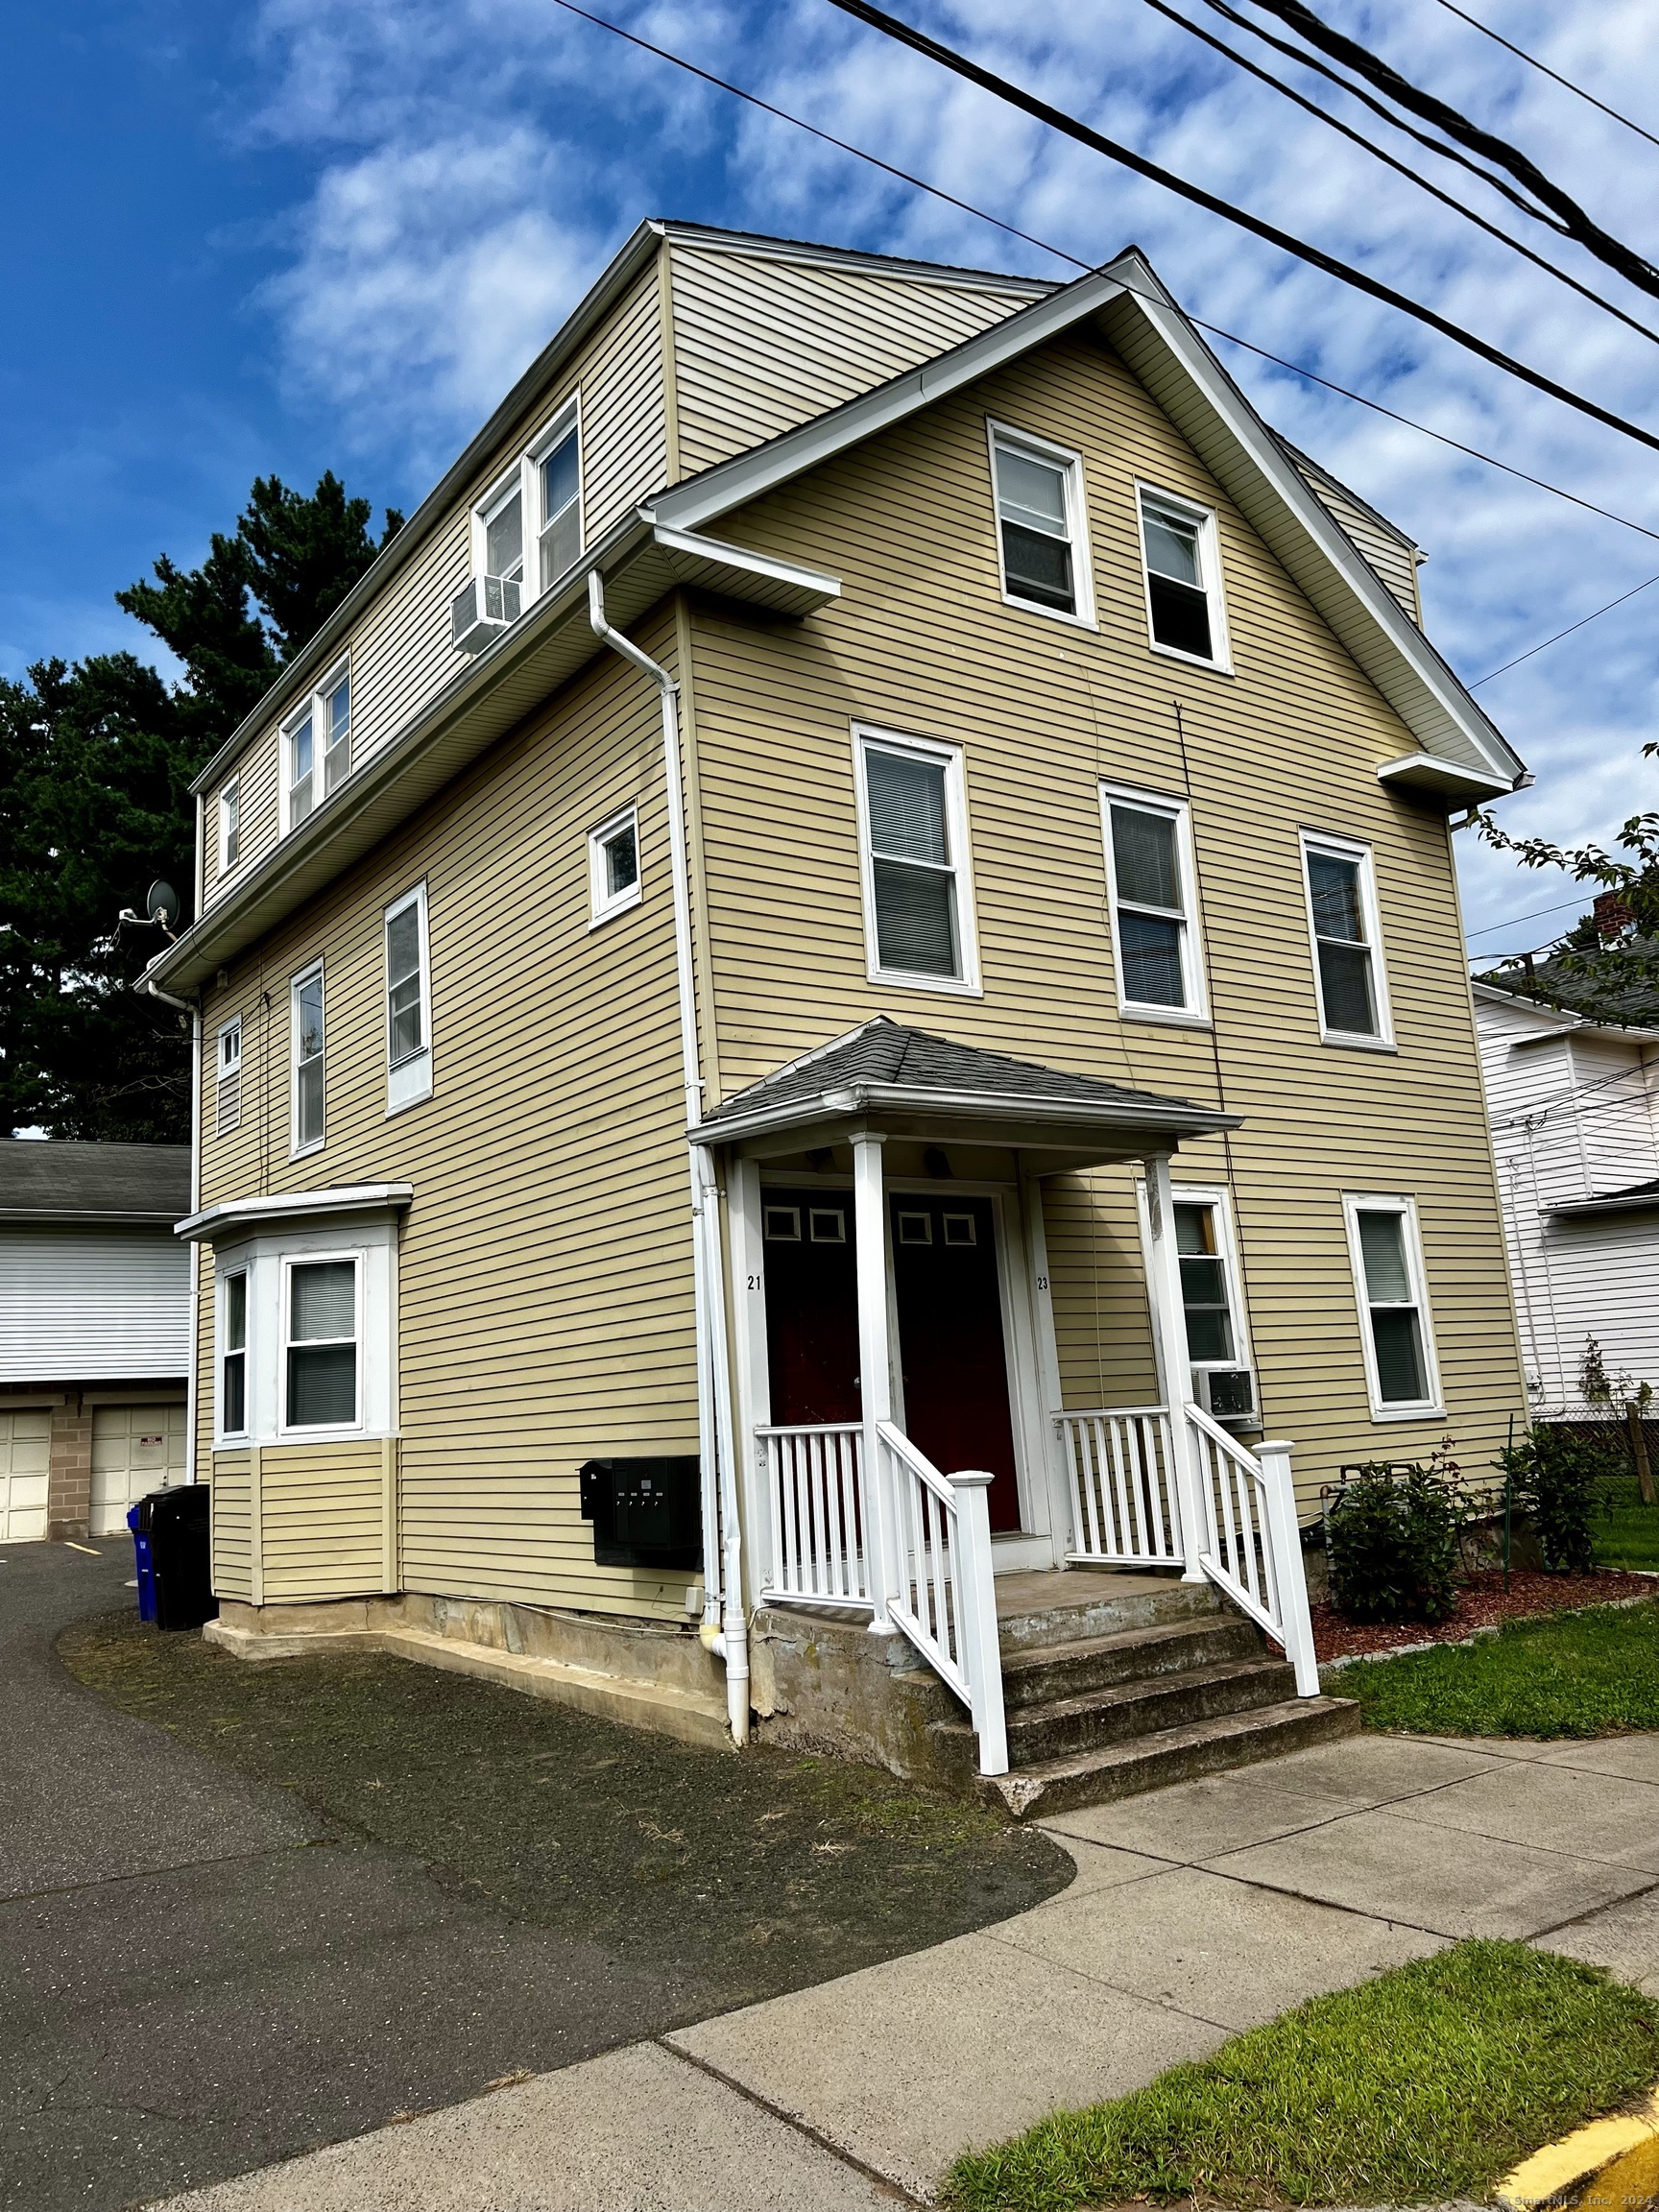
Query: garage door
135	1449
25	1448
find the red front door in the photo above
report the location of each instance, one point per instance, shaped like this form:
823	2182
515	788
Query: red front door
951	1352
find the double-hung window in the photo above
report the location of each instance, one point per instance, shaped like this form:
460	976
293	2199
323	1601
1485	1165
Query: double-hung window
320	1352
1386	1253
527	530
1347	942
316	746
1216	1345
306	1030
408	1002
230	825
1154	906
502	518
613	866
557	466
1041	532
918	897
1182	568
227	1078
233	1353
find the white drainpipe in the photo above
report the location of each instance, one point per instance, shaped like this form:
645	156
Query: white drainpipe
725	1626
195	1013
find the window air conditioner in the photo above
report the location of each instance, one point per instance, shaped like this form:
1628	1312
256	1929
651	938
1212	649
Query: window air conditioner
480	610
1228	1395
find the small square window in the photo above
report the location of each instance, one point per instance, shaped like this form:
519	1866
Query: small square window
828	1225
915	1229
960	1229
613	865
782	1224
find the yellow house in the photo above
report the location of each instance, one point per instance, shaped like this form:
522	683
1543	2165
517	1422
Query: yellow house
834	1001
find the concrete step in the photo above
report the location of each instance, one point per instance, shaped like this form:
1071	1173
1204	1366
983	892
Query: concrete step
1177	1754
1072	1726
1036	1612
1045	1672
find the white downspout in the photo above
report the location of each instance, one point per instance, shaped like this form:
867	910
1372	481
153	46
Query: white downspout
193	1322
725	1625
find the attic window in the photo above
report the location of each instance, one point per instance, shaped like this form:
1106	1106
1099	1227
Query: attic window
1041	538
1183	579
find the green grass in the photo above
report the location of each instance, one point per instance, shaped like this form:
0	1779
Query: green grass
1429	2082
1589	1673
1627	1534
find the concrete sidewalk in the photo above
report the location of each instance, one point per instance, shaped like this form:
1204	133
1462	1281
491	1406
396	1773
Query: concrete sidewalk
1196	1912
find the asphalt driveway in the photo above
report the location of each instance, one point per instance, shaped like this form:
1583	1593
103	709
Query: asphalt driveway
200	1976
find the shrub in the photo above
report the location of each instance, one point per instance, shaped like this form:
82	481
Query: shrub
1393	1543
1554	1475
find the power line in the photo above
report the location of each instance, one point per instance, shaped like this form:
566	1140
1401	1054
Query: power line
1560	633
1403	168
1559	908
1057	119
1533	61
1060	254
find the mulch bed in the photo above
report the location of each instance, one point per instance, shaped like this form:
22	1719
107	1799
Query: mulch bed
1483	1602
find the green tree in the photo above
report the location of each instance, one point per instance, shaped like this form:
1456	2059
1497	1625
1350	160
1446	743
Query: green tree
96	761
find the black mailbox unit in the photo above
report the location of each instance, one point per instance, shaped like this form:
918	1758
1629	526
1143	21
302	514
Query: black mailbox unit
645	1512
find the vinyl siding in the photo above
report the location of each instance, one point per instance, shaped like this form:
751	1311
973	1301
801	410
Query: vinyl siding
77	1306
762	344
1383	551
544	1280
922	643
322	1521
232	1519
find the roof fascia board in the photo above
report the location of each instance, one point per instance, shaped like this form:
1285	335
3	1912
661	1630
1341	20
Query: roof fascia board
252	1214
612	281
62	1216
1588	1206
1000	1106
1430	692
1448	779
747	475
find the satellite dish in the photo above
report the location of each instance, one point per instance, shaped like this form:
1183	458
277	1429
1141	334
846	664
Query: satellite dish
162	904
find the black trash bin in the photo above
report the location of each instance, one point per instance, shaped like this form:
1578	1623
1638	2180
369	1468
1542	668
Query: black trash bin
176	1523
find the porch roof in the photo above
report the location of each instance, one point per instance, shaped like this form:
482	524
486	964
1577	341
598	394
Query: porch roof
885	1072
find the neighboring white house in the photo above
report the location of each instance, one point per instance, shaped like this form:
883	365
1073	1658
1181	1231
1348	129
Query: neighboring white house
94	1333
1574	1109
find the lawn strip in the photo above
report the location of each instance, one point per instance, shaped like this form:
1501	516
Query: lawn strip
1594	1673
741	1876
1427	2083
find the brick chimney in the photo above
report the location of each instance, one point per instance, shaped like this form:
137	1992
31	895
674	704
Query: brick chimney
1613	917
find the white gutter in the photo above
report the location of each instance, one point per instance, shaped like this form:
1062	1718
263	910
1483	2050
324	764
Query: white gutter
725	1625
193	1324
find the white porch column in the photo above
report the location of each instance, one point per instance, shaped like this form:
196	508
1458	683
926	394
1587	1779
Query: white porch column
875	1366
1169	1342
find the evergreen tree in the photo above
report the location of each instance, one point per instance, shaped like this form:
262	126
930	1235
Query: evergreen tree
96	762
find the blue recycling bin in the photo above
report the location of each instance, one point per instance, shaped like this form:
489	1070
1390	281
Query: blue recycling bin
135	1518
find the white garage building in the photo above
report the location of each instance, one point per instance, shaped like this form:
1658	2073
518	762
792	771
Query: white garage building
94	1333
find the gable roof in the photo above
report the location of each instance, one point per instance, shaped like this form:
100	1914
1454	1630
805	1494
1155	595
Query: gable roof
1460	754
885	1064
58	1179
1578	998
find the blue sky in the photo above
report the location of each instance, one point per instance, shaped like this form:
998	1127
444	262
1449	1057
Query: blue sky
327	233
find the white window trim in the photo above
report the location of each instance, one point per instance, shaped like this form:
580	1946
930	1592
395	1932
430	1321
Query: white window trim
525	476
1209	562
1219	1197
318	1432
313	704
1195	1014
296	1150
1345	849
225	1073
230	796
1083	618
604	905
266	1257
408	1081
967	985
1354	1204
224	1271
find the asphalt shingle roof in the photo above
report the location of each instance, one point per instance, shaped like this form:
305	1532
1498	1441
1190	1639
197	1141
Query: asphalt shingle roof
1626	1005
888	1052
59	1175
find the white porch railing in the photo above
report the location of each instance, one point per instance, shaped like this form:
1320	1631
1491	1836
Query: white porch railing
942	1595
1248	1541
1125	1492
831	1528
815	1490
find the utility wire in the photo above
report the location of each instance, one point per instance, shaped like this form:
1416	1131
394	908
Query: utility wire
1060	254
1589	233
1513	921
1403	168
1057	119
1560	633
1533	61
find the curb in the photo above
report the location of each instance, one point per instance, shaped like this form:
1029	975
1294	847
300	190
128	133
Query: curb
1621	2153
